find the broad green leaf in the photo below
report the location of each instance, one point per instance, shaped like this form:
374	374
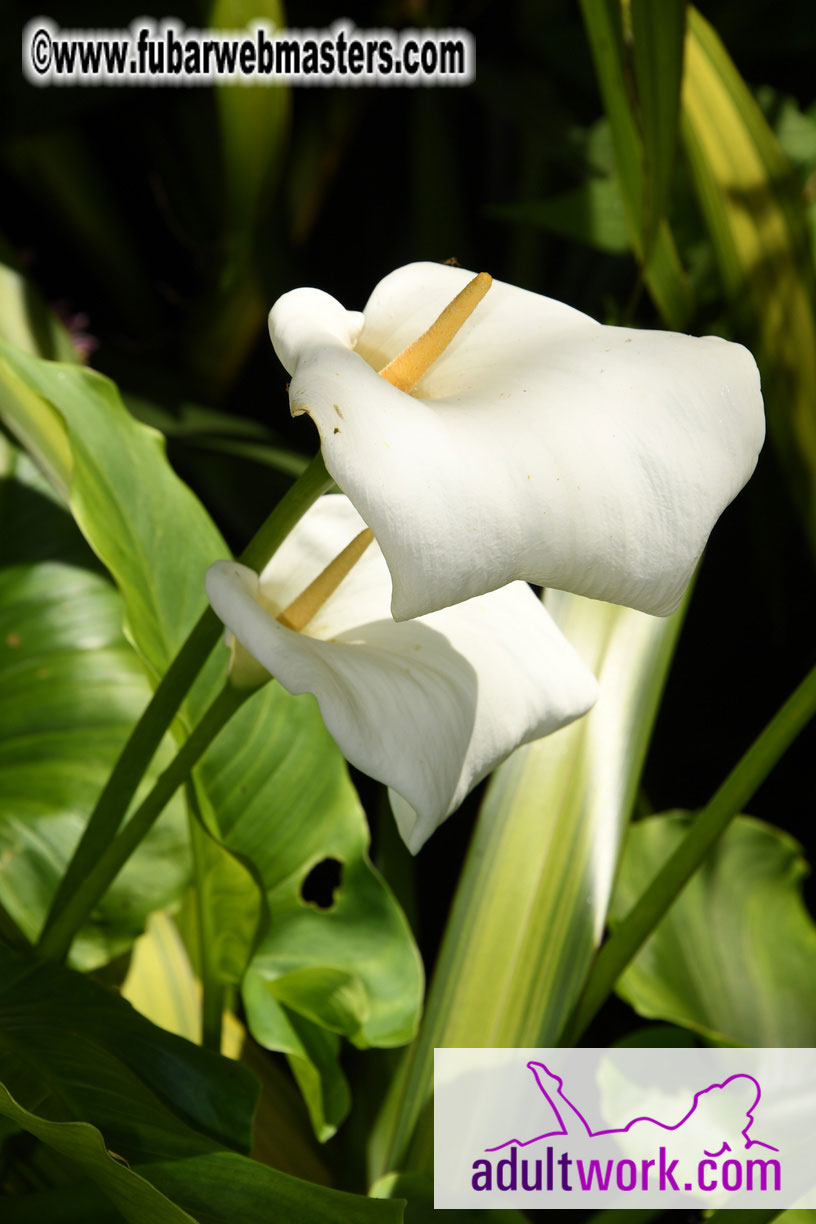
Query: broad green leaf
223	1188
81	1203
273	787
84	1148
276	791
161	986
70	690
138	517
107	1091
735	957
73	1051
753	207
284	804
312	1052
220	1188
532	898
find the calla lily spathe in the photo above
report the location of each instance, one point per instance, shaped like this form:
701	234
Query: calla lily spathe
540	445
429	706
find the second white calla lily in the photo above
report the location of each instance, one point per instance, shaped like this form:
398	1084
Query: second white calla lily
428	707
540	444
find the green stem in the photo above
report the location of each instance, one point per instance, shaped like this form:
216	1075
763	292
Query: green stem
212	988
737	789
54	944
138	752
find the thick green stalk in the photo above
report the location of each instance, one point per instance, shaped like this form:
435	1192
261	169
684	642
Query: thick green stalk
628	938
177	681
55	943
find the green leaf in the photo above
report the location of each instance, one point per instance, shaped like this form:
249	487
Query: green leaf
70	690
735	957
132	508
531	903
222	1188
160	982
273	787
107	1090
754	210
312	1052
275	790
83	1146
72	1050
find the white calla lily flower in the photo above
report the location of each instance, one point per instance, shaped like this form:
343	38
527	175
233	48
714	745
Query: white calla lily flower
539	445
429	706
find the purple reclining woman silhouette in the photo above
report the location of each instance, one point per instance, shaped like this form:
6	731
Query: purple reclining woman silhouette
705	1124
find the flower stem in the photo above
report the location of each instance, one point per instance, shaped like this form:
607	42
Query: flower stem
157	717
213	991
629	936
56	941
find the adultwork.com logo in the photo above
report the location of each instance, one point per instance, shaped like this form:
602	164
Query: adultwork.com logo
624	1127
700	1151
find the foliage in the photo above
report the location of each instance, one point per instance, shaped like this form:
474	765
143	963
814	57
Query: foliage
650	164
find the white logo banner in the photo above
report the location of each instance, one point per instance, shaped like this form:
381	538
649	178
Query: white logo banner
593	1128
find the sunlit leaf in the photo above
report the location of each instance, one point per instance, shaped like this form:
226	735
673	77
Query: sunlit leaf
160	982
735	957
129	504
68	681
532	899
753	207
273	787
276	791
